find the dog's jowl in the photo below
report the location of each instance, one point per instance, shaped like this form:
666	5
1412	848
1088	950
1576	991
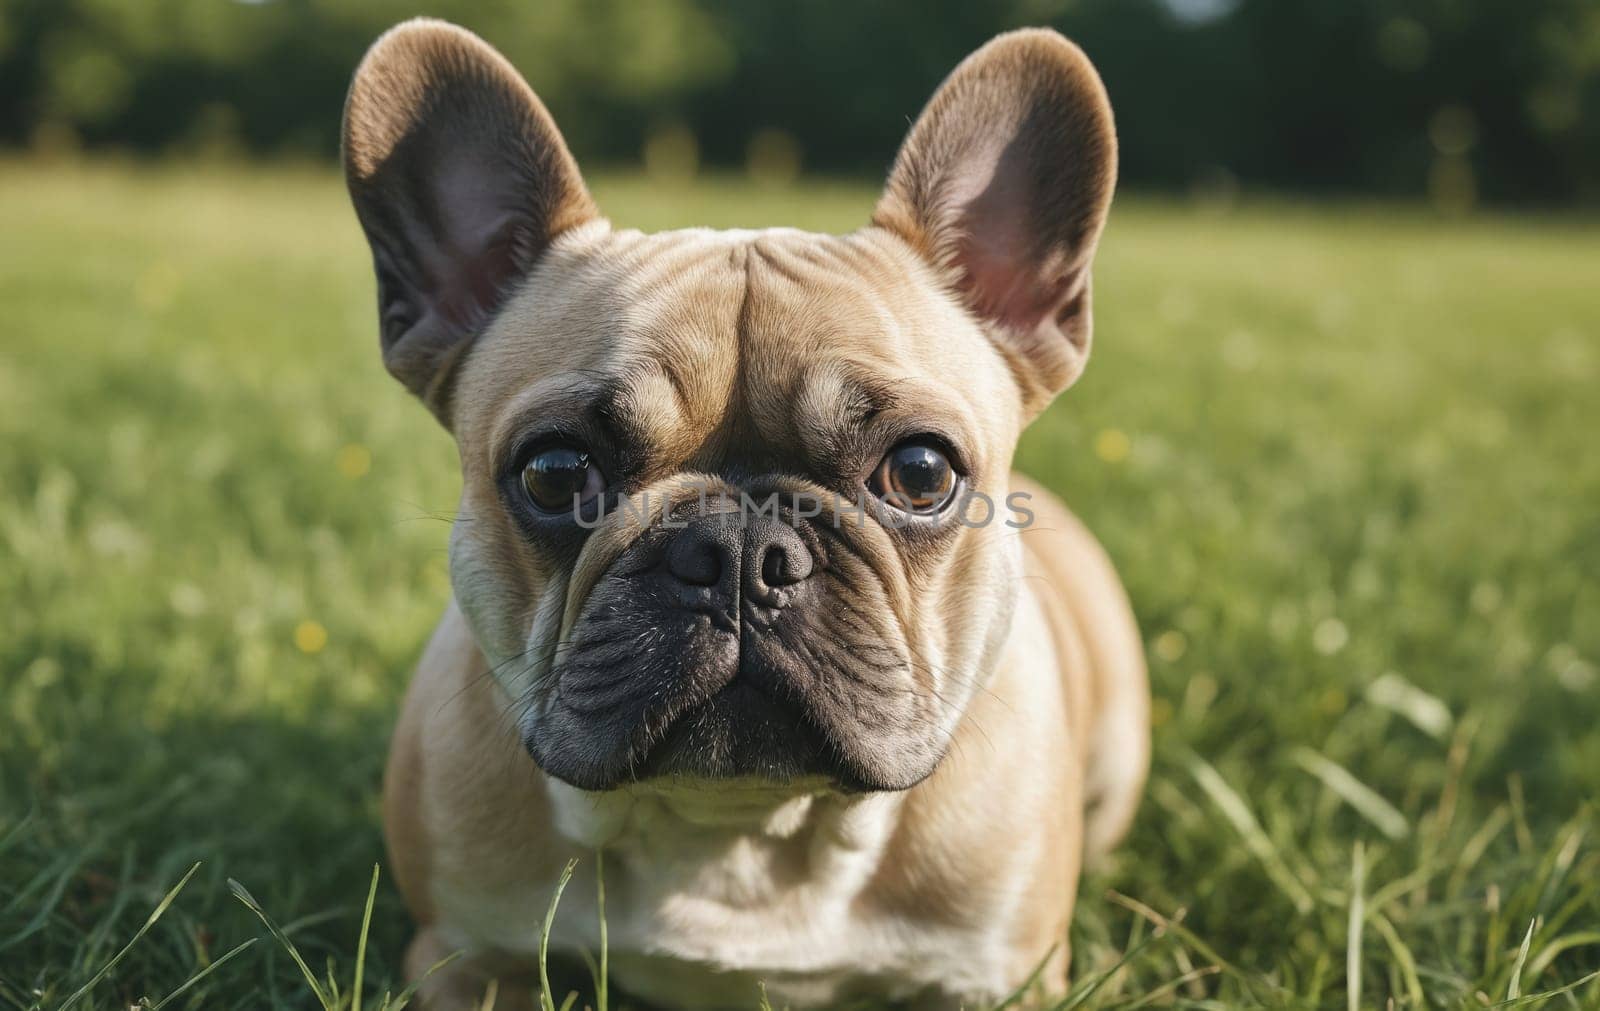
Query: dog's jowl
747	597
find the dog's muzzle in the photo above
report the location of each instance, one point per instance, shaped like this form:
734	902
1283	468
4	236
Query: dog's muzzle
723	645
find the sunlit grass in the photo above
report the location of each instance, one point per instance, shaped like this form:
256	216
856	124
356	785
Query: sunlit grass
1343	456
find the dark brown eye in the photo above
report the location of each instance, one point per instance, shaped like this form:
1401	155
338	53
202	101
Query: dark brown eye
561	479
915	477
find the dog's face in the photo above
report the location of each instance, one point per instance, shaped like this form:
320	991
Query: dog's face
735	504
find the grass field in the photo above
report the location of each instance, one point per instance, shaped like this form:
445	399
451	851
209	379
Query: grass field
1344	457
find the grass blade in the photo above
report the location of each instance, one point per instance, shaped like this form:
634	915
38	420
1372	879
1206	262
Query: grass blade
14	833
1358	917
150	921
1088	987
194	980
58	876
361	945
1015	997
1547	994
1514	988
1165	990
243	895
1402	957
1175	925
1425	712
1367	802
1476	846
1255	838
545	1000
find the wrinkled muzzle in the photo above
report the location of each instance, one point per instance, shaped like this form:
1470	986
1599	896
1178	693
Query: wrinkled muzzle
730	642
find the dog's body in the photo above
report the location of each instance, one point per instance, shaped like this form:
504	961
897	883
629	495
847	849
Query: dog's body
962	885
856	750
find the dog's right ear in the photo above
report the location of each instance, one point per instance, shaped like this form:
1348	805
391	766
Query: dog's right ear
461	180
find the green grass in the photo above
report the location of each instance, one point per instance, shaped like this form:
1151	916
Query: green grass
1344	457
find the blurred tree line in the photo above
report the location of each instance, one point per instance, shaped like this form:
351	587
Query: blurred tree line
1459	100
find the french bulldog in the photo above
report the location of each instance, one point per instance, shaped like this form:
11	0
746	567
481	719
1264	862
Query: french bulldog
728	617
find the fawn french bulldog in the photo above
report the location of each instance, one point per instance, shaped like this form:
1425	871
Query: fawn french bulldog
854	741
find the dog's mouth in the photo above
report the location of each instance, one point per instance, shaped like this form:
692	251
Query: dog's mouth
680	717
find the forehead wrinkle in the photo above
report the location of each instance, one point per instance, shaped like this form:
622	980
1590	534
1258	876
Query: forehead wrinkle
799	311
681	340
648	409
832	405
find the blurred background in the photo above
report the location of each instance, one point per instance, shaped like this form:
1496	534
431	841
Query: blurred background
1455	101
1338	435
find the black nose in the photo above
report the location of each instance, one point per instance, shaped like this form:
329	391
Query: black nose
758	555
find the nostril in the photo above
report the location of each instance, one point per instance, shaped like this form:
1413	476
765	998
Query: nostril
775	567
784	567
695	559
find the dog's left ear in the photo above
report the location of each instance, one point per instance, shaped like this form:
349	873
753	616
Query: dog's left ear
1003	184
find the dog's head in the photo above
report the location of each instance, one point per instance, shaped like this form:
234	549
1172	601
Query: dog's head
735	504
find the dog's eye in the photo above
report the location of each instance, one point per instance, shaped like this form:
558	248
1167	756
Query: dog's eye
915	477
561	478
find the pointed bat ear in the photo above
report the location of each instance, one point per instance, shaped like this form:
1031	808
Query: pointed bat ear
460	180
1003	184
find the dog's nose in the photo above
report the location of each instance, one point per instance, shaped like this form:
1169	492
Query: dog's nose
760	556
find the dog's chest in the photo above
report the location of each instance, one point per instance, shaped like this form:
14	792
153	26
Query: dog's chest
702	917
